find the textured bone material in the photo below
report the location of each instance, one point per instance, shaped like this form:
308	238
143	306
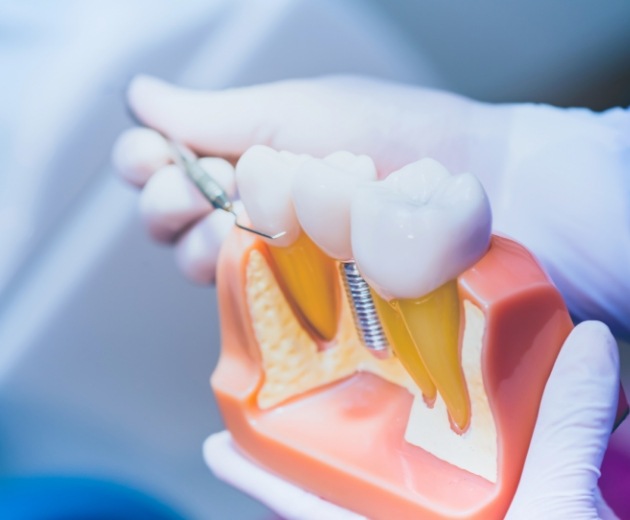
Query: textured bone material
337	427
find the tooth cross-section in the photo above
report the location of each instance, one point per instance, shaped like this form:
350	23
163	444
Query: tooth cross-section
308	277
412	235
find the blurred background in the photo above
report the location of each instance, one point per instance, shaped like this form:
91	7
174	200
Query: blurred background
105	350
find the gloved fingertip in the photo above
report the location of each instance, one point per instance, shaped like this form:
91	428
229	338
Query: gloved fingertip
596	329
222	172
143	84
138	153
218	452
170	203
593	345
197	251
143	93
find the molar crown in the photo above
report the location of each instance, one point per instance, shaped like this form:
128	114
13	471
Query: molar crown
419	228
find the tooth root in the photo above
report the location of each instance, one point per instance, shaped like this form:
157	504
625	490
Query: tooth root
433	323
404	347
310	280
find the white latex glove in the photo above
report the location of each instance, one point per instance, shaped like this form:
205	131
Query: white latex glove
558	179
559	480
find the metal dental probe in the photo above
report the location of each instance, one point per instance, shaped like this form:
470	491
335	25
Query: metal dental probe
366	318
210	188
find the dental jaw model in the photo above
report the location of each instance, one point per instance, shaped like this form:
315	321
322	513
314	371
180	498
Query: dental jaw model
439	426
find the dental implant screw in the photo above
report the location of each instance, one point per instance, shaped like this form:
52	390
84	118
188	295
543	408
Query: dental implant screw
366	318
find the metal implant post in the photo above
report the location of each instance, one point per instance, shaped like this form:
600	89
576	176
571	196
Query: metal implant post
364	312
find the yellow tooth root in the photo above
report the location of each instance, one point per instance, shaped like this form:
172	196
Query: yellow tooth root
310	280
433	323
403	346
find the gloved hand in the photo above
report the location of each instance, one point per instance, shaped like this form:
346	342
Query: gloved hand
558	179
559	480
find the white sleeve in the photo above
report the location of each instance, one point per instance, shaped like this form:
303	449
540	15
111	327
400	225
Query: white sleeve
565	194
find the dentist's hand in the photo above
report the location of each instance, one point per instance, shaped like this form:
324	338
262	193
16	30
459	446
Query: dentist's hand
560	476
558	179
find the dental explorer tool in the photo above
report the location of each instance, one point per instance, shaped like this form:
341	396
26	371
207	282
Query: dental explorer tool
366	318
210	188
